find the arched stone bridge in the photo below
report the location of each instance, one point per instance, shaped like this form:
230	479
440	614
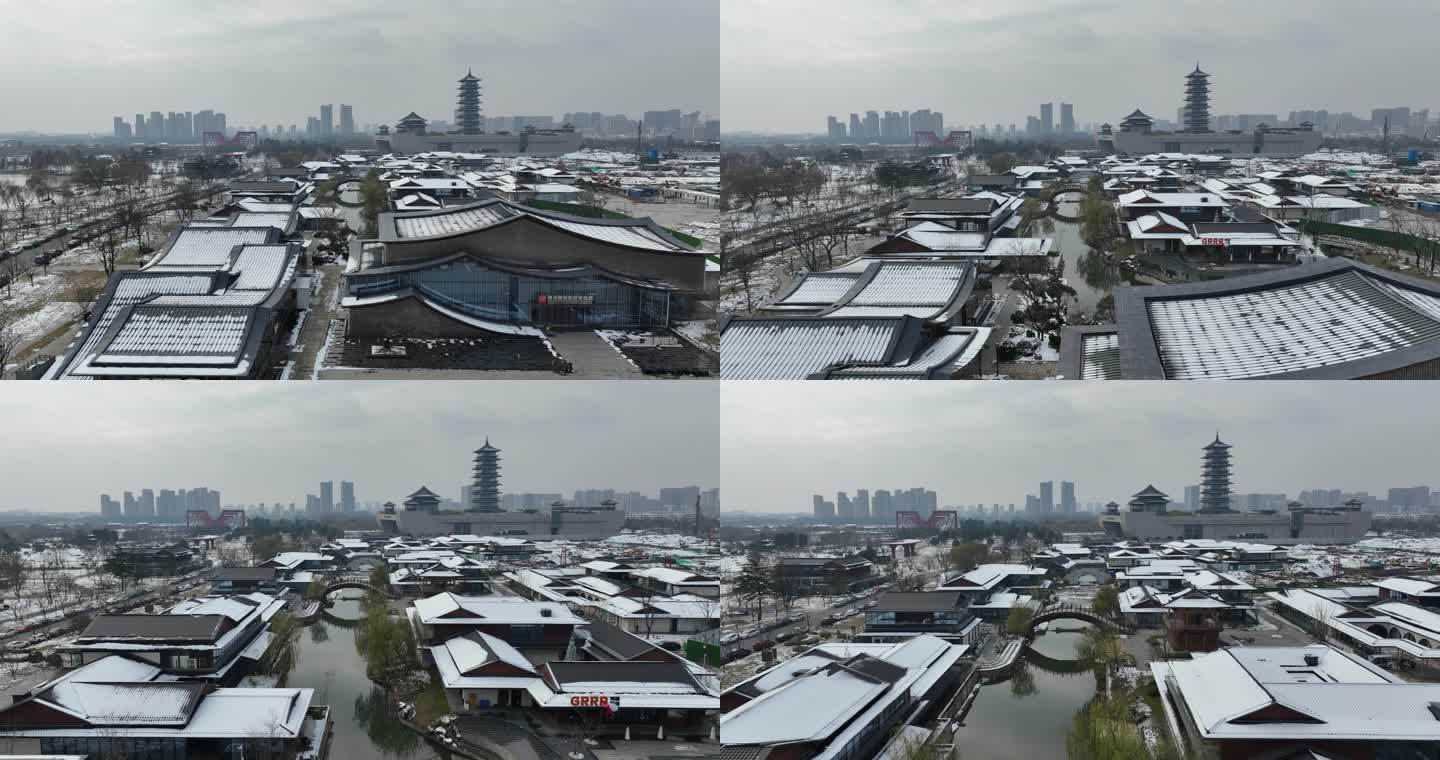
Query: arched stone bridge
342	585
1073	612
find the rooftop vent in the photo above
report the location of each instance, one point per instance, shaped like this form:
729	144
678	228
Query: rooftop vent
1312	660
546	612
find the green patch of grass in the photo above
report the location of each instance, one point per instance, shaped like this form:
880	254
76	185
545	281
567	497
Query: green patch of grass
431	703
43	341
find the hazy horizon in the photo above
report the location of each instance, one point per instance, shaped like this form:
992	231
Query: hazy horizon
269	442
788	66
270	62
994	442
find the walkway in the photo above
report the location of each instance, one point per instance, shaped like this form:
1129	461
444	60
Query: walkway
516	741
593	356
1002	660
313	334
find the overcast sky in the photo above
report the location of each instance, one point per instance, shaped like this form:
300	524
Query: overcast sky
789	65
994	442
71	66
275	441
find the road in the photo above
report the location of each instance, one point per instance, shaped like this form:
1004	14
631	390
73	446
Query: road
58	628
809	620
94	228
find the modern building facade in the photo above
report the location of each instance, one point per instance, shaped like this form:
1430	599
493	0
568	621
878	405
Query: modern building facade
495	267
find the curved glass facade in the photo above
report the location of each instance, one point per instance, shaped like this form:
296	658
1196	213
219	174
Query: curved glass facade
471	287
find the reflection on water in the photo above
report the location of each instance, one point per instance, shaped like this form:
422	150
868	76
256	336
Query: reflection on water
1030	715
1088	273
385	733
326	660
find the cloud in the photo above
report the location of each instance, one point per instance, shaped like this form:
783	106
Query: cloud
787	68
64	444
994	442
73	66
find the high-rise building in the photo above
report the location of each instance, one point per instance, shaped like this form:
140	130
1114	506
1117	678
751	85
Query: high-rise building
485	496
1409	499
347	120
1192	497
1067	118
882	507
121	129
1067	497
146	506
347	496
327	496
862	504
327	120
681	498
1047	118
1215	475
872	125
824	511
857	130
834	129
139	129
109	508
1047	497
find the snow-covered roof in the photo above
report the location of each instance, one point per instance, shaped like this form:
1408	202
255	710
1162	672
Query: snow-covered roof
1172	200
1408	586
443	608
1306	324
632	233
1312	693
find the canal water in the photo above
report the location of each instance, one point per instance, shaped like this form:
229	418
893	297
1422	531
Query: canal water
328	661
1029	715
1088	273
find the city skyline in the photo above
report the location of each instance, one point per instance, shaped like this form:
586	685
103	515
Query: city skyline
978	444
1016	56
383	59
558	438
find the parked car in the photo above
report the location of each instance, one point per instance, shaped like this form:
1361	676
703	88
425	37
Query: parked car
785	636
736	654
761	646
852	612
871	603
730	638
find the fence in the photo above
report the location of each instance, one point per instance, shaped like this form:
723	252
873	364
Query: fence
1384	238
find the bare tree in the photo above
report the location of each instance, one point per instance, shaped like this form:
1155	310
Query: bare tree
9	335
108	247
82	293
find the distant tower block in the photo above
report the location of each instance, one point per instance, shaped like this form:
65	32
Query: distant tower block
485	495
467	106
1197	101
1215	477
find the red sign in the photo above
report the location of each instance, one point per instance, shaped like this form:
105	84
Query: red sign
1222	242
565	299
611	704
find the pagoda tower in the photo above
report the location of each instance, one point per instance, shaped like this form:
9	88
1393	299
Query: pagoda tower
467	105
1215	477
485	492
1197	101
